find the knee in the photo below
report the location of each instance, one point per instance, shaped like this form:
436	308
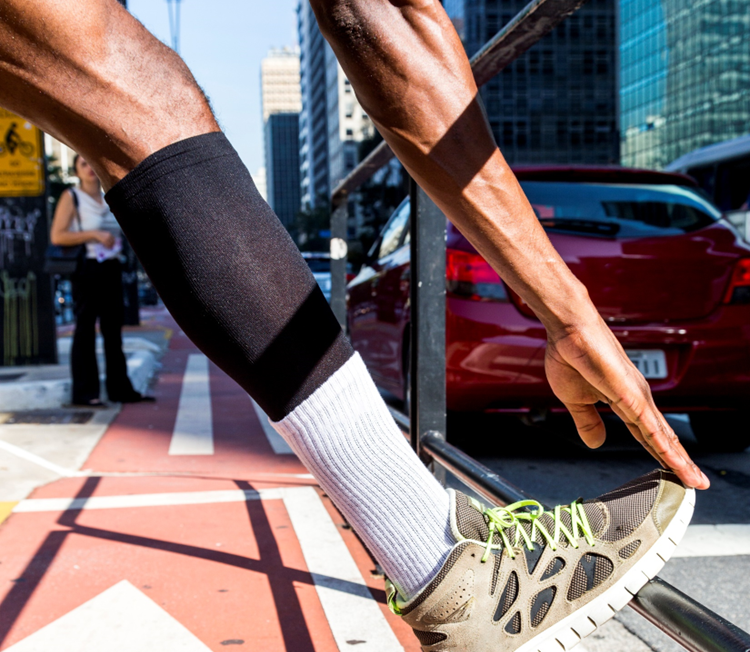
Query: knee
343	20
348	21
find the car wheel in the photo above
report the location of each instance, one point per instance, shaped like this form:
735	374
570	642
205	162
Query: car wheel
721	432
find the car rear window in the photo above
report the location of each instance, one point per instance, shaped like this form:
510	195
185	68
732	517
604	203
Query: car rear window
618	211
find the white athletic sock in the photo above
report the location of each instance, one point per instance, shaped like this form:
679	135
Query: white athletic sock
348	440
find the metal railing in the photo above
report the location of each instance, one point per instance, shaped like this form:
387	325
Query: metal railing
695	627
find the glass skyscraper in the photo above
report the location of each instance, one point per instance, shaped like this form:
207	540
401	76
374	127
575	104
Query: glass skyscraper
557	103
685	77
282	166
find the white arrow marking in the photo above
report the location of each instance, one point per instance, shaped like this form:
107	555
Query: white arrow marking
122	619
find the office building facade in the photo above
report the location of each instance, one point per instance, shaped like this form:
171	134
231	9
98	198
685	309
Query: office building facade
280	82
282	166
685	77
313	134
332	122
281	100
557	103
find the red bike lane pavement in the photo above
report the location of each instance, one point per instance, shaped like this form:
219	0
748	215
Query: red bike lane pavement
155	548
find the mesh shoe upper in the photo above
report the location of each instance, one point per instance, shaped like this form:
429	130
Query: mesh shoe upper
491	597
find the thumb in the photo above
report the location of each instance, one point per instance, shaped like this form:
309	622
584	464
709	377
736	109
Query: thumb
589	424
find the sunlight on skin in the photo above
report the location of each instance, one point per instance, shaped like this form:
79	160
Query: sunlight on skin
89	74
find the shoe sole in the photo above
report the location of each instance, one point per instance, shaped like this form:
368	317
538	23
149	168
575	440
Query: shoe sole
572	630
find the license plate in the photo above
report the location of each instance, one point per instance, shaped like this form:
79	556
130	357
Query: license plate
652	364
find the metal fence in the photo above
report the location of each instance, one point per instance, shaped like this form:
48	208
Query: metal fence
689	623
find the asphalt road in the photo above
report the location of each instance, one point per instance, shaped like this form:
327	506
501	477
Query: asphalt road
550	462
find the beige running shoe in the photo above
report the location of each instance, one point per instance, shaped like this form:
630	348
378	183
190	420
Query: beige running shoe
528	580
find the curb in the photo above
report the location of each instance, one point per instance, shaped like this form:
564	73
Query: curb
52	394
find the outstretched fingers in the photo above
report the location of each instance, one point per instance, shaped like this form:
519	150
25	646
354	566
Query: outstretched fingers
650	428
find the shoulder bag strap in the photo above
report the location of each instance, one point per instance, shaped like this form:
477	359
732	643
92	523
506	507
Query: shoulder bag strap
75	203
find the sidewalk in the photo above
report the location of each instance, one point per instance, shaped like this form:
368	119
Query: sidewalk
47	387
184	525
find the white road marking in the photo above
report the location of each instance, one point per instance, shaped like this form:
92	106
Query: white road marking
700	540
193	429
146	500
352	613
354	617
121	619
277	442
715	541
39	461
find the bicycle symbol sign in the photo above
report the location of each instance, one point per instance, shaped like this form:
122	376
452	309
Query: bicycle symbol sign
21	157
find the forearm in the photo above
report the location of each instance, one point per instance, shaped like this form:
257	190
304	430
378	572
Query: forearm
411	75
72	238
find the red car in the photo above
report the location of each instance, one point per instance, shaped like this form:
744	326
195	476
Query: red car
670	277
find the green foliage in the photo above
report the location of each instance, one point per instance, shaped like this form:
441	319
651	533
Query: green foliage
309	224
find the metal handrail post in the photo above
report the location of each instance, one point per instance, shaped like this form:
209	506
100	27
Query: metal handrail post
427	336
339	251
688	622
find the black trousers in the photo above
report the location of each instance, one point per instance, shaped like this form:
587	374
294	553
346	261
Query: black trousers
97	294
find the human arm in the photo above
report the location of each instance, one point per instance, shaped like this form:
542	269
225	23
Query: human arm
413	79
60	233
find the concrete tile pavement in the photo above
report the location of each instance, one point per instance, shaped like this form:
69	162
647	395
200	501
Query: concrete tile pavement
46	387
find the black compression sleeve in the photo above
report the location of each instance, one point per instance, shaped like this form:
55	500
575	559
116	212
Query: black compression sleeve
228	271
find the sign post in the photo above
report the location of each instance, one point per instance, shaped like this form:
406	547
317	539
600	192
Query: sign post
27	320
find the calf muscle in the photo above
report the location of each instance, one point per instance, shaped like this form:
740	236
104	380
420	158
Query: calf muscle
91	75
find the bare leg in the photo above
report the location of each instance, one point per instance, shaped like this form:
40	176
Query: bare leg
91	75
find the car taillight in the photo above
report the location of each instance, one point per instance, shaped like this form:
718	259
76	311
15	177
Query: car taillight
739	287
470	276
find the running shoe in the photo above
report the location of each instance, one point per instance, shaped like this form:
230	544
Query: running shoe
524	579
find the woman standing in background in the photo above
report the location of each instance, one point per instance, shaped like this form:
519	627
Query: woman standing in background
83	217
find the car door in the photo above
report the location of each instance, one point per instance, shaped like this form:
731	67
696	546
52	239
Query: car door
361	308
390	291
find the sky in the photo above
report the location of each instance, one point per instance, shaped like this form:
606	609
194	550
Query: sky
223	43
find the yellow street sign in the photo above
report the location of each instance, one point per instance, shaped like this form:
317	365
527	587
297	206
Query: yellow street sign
21	157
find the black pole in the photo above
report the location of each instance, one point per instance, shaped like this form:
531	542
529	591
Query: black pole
427	343
338	260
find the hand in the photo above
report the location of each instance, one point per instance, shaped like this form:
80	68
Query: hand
105	238
586	365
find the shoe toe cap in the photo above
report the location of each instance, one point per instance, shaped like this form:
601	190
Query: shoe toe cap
672	494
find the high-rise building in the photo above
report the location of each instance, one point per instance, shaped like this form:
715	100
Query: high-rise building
281	97
280	82
348	124
313	135
557	103
282	165
259	178
332	122
685	77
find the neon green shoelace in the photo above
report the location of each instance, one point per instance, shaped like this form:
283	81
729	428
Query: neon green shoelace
515	515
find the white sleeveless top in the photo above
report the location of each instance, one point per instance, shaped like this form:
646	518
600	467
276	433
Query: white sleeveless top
96	216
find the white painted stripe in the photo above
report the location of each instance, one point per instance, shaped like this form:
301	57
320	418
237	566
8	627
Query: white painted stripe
121	619
353	615
146	500
193	429
722	540
715	541
277	442
39	461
